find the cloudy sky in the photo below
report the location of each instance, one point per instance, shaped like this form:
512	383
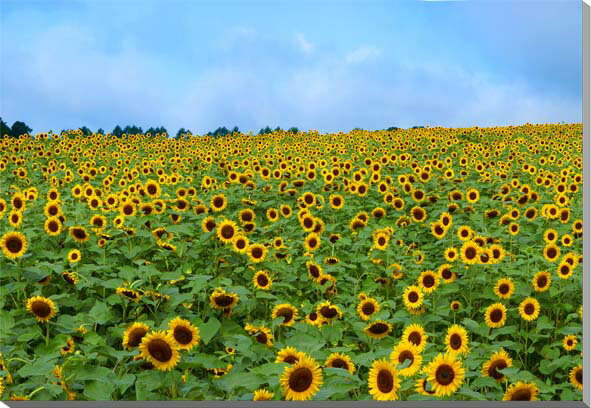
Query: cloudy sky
325	65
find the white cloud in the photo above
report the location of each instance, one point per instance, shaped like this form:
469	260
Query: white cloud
303	44
362	54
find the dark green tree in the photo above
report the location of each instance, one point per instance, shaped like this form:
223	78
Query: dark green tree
19	128
117	131
100	131
293	130
86	131
4	129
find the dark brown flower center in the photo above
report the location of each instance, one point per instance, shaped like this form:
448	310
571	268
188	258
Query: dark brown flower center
406	355
495	366
135	336
41	308
542	281
368	308
328	312
504	289
415	338
385	381
428	281
301	379
160	350
455	341
378	328
183	335
262	280
291	359
444	374
496	315
529	309
227	231
286	313
413	297
339	363
522	394
14	244
579	376
223	300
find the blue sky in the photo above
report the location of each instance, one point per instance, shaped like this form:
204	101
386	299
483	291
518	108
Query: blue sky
324	65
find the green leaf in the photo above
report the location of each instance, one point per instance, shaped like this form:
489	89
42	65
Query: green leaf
99	390
100	313
209	329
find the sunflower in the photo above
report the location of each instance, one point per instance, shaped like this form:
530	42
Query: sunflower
367	308
218	202
451	254
70	277
418	214
262	280
551	252
569	342
340	360
42	308
287	312
529	309
315	271
13	244
130	294
413	297
152	188
378	329
456	340
495	315
160	349
404	352
261	334
469	252
74	256
576	377
383	381
381	240
53	226
550	236
504	288
424	387
132	337
208	224
428	281
415	335
472	195
521	392
565	270
312	242
445	374
226	231
79	234
301	380
256	252
455	306
184	333
446	274
262	395
329	312
221	300
289	355
496	362
465	233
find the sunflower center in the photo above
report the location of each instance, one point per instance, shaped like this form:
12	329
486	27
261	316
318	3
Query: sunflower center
40	308
339	363
471	253
152	189
521	395
406	355
378	328
415	338
79	233
183	335
413	297
496	315
314	271
504	289
455	341
446	274
328	312
14	245
240	244
428	281
368	308
227	231
218	202
286	313
262	280
52	226
385	381
135	336
224	300
301	379
551	253
291	359
579	376
160	350
495	366
257	252
542	281
529	309
444	374
261	338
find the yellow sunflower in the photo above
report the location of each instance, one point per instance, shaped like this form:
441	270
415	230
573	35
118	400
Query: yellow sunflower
132	337
383	381
300	381
456	340
521	392
340	360
529	309
42	308
184	333
160	349
495	315
367	308
406	355
13	244
497	361
287	312
576	377
445	374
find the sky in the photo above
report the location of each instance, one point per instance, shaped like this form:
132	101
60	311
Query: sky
325	65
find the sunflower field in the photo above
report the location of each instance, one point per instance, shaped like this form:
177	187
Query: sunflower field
420	264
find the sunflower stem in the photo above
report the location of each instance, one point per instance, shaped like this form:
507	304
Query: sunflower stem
46	333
